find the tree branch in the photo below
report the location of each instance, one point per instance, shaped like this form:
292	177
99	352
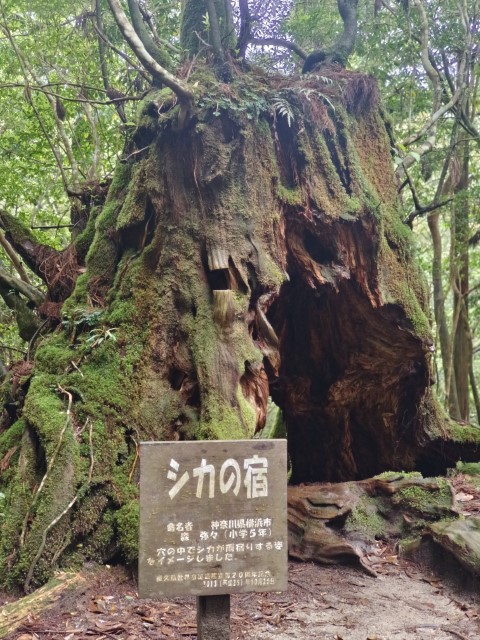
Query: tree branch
96	156
215	34
156	38
434	76
25	244
343	46
434	118
27	72
12	256
138	24
97	11
245	35
183	92
279	42
420	211
15	284
26	319
122	54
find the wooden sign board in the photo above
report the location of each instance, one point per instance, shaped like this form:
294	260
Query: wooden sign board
213	517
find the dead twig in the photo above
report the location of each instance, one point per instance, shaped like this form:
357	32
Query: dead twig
454	633
302	586
134	464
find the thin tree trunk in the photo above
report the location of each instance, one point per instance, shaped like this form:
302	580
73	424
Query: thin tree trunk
439	312
462	355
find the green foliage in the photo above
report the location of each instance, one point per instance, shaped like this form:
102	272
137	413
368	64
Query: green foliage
284	109
82	319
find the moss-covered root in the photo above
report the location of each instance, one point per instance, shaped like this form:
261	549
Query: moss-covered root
41	488
331	522
461	538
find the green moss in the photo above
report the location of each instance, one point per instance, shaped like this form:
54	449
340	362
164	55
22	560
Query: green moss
354	207
366	519
132	211
158	98
291	197
103	253
120	181
193	30
33	509
101	544
221	422
20	233
410	544
275	426
101	391
85	238
11	438
102	256
126	521
397	232
400	288
54	355
463	433
469	468
462	538
426	501
396	475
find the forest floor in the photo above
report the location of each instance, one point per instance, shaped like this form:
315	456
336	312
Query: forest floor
405	601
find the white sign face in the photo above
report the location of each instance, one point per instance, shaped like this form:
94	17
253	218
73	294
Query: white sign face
213	517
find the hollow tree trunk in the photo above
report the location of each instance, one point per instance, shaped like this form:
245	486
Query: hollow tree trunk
257	252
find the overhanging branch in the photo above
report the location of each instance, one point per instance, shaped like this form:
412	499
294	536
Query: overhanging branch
26	319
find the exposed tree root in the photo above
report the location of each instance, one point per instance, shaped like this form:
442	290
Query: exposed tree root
57	519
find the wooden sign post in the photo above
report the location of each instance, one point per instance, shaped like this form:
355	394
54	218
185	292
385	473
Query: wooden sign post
213	521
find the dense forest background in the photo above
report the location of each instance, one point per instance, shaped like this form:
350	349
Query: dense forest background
211	209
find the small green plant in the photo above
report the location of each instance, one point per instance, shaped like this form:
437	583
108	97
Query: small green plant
283	108
97	336
323	79
82	319
308	93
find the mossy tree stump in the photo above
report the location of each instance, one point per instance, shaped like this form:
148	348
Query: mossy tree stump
256	252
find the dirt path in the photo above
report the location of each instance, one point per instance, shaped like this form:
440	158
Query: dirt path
404	602
348	605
